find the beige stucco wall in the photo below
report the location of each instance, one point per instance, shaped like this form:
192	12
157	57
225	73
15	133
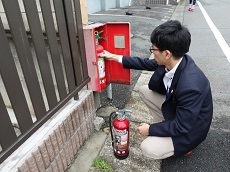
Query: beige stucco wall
84	13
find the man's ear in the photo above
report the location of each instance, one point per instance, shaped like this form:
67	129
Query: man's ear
168	54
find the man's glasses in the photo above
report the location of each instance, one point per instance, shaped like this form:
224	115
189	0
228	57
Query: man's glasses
151	49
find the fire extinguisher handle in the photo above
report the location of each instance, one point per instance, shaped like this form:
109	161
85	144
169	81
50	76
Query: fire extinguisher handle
125	112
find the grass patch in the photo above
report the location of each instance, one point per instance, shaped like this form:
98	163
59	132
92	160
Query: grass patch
136	91
102	165
145	72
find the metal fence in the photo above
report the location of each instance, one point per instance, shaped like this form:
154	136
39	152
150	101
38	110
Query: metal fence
149	2
42	65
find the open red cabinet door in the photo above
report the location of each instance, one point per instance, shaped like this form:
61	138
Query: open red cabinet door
115	38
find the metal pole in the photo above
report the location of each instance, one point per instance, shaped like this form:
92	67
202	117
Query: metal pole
109	92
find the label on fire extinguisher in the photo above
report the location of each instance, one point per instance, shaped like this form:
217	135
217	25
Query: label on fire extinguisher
101	67
121	139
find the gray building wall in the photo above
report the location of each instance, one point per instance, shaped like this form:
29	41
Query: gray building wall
94	6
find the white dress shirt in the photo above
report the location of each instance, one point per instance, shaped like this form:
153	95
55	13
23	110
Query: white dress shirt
169	75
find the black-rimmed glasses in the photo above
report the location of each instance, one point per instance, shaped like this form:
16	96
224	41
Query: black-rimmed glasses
151	49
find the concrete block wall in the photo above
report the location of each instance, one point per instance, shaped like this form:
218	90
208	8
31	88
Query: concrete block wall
56	144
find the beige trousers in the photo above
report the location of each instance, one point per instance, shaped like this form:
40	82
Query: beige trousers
155	147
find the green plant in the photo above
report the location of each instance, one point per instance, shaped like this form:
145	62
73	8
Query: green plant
145	72
136	91
102	165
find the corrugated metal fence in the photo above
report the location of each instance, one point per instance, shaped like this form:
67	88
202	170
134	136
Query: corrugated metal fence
42	65
149	2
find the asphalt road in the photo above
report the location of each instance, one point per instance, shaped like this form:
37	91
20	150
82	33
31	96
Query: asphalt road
213	154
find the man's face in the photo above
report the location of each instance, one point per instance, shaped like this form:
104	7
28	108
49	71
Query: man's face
158	55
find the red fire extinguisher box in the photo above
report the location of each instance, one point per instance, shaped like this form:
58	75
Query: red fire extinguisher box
115	38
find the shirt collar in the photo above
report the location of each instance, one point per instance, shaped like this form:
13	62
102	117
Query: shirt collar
170	73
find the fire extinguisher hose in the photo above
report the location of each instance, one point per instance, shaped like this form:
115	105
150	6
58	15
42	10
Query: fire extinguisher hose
110	127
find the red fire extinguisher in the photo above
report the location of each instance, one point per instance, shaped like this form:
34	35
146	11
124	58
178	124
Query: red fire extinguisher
119	130
101	62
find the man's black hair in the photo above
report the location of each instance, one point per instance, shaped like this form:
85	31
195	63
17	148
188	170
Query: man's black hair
172	36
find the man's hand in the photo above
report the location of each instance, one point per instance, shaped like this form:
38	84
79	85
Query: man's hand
109	56
143	129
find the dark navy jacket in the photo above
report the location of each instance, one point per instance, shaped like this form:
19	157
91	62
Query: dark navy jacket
188	109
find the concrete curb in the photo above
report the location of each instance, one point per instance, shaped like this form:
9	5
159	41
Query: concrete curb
179	12
89	152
